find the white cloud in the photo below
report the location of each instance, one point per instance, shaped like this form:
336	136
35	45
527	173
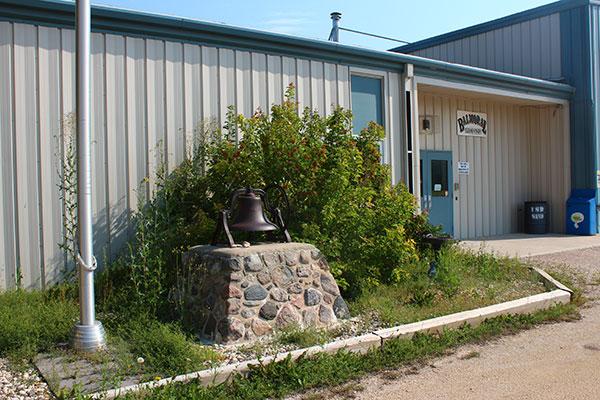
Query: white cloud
287	22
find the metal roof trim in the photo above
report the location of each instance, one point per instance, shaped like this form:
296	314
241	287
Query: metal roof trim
148	25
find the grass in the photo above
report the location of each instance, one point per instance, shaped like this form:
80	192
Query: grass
465	280
34	321
322	370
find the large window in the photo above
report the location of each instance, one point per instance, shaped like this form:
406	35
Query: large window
367	101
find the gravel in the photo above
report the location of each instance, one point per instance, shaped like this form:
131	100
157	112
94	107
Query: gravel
22	385
269	345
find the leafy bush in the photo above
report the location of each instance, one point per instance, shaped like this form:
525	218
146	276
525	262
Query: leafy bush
340	192
340	195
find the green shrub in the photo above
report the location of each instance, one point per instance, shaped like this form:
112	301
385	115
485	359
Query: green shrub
340	192
341	200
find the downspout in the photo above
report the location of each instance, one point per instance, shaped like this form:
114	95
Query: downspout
88	334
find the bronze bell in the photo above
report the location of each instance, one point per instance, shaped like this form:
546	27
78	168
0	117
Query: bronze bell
250	216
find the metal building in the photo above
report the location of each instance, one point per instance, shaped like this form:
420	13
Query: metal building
157	79
559	42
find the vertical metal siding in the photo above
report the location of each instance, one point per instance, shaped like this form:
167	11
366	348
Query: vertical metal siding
116	140
522	159
577	69
150	99
49	126
8	234
98	103
26	114
530	48
137	133
595	75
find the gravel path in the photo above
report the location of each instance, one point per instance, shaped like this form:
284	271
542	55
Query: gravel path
554	361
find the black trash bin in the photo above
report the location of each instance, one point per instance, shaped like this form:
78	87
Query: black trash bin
536	217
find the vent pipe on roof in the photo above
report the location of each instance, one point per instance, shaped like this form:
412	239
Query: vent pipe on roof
335	26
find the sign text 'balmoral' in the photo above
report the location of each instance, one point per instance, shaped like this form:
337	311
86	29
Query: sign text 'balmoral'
471	123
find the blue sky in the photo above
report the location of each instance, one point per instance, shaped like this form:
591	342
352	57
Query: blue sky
401	19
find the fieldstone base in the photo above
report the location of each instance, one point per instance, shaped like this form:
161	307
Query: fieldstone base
238	294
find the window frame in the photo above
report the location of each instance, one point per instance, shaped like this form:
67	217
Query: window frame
383	77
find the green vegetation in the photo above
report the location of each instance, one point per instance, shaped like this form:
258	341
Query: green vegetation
340	194
166	350
32	321
341	201
464	281
279	379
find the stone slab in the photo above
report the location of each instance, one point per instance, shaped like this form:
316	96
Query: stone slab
70	370
225	251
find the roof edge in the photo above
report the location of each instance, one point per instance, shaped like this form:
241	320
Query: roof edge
488	78
111	20
512	19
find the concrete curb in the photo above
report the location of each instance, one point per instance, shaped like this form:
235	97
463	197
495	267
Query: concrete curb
362	344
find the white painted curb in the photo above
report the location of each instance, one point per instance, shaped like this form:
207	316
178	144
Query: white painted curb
362	344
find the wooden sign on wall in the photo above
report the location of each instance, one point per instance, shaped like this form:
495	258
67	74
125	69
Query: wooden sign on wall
470	123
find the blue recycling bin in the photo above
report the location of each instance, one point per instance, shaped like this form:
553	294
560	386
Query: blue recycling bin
581	212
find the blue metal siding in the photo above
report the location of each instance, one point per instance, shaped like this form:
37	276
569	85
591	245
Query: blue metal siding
529	48
595	81
576	69
499	23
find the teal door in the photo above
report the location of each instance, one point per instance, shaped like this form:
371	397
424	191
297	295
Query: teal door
437	188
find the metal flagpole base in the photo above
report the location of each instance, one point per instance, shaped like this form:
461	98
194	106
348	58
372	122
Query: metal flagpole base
88	337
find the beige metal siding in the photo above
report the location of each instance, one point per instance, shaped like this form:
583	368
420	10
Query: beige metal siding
8	234
530	48
525	157
149	97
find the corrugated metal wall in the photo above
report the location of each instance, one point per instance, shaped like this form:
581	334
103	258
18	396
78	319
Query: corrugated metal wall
595	76
531	48
525	157
577	38
145	93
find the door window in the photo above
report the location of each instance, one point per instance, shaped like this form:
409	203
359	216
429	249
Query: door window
439	178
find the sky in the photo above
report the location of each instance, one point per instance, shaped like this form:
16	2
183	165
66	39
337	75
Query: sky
400	19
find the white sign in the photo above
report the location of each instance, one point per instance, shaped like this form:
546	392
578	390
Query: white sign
463	167
470	123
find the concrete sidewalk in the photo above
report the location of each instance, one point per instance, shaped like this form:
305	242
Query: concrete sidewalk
524	245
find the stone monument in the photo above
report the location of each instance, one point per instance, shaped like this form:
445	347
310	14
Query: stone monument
239	294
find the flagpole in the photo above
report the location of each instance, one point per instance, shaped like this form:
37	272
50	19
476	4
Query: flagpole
88	334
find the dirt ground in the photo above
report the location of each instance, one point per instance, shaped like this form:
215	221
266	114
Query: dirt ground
554	361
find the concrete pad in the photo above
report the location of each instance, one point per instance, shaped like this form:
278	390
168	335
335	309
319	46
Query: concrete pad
525	245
